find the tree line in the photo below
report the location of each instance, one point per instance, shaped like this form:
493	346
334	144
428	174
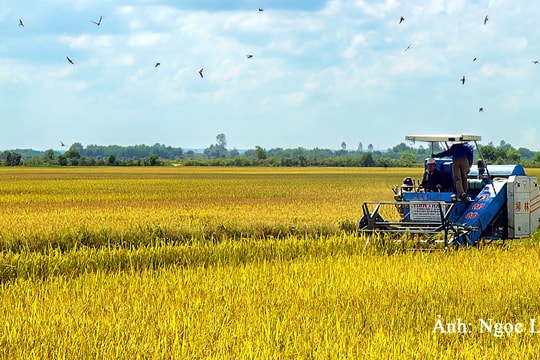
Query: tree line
218	154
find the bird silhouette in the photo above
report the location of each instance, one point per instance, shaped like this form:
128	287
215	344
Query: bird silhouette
249	56
62	144
97	22
535	61
261	9
408	47
71	61
157	64
200	72
401	19
481	109
463	79
474	59
21	23
486	20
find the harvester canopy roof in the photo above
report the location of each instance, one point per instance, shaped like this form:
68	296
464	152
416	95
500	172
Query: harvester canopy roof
443	138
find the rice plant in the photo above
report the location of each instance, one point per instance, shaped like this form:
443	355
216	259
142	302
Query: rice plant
243	263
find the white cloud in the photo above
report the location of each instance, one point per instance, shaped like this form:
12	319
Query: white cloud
12	73
445	6
125	10
377	10
146	39
516	43
497	3
80	85
124	59
489	69
332	7
352	50
60	72
312	85
294	98
341	61
81	41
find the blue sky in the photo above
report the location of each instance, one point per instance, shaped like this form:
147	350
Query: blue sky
322	72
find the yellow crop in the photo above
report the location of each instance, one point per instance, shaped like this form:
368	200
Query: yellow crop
99	206
172	263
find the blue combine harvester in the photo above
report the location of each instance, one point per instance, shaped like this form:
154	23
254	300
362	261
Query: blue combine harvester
503	203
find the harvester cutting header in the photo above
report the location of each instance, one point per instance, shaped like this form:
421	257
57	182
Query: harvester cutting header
458	203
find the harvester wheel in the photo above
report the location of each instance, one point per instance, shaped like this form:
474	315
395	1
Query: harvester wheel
363	223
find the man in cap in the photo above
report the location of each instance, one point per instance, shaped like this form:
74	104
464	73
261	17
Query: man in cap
433	180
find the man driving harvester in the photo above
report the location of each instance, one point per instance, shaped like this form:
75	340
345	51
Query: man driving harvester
433	179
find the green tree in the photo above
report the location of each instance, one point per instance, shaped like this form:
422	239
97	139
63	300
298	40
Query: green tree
77	146
215	152
233	153
260	153
505	146
303	160
407	159
219	150
489	153
62	160
525	153
153	160
111	159
513	157
367	159
221	140
73	153
401	148
73	156
11	158
48	156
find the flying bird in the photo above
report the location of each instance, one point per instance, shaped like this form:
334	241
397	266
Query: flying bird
62	144
249	56
481	109
261	9
200	72
408	47
21	23
71	61
486	20
535	61
401	19
474	59
97	22
463	79
157	64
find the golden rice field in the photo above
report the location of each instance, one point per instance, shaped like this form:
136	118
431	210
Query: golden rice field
221	263
125	206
